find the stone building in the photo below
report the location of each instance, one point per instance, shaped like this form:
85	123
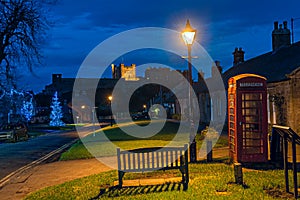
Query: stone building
281	67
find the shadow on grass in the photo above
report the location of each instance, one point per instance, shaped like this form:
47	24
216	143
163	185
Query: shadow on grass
215	160
115	191
254	165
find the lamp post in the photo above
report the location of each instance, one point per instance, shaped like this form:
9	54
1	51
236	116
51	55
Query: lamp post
110	99
188	36
94	113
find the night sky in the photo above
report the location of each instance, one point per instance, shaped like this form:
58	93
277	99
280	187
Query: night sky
79	26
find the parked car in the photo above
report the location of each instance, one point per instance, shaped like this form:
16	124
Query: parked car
13	132
140	116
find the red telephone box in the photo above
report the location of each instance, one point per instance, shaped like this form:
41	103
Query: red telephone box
247	118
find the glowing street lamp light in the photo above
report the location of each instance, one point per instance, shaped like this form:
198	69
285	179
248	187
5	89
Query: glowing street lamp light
188	36
110	99
82	113
77	117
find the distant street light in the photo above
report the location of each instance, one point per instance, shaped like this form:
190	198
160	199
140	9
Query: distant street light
77	117
110	99
82	113
188	36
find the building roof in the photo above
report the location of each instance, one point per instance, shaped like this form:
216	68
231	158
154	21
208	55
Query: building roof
275	65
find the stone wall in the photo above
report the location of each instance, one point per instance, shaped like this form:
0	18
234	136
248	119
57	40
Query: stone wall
284	96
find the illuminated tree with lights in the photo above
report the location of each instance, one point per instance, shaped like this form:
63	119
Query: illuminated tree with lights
27	109
56	112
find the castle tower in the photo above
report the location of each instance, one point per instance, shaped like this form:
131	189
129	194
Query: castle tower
126	72
281	36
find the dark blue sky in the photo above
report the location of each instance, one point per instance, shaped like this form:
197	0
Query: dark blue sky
222	25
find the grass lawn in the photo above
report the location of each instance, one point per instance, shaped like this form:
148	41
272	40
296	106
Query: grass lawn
98	147
207	181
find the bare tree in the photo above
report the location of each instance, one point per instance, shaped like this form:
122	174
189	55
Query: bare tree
22	28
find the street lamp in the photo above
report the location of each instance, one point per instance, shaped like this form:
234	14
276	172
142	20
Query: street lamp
188	36
94	113
110	99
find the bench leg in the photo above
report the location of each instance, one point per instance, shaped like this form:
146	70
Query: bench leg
120	175
185	178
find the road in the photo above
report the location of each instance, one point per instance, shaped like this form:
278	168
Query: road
16	155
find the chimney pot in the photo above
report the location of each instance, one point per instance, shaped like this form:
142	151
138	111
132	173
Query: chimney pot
285	24
276	25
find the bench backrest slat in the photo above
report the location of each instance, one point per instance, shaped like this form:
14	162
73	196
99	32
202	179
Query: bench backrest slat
124	161
153	164
172	161
157	160
129	162
143	160
133	160
176	156
139	161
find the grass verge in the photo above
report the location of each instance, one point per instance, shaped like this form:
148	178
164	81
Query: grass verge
207	181
97	146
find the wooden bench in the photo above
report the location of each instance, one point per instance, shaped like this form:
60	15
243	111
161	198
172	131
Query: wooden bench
151	159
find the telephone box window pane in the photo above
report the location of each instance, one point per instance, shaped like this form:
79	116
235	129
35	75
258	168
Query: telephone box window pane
252	96
252	119
250	111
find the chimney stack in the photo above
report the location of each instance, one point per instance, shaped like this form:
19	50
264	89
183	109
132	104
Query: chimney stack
285	24
280	36
238	56
216	69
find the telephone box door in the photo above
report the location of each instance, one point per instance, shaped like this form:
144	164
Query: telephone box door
251	126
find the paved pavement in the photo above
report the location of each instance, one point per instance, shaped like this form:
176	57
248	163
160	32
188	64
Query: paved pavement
49	174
